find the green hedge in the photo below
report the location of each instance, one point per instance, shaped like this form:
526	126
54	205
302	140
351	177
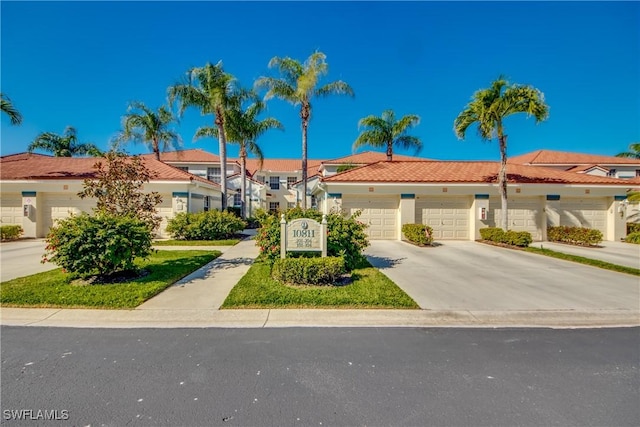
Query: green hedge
419	234
633	238
10	232
308	271
514	238
211	225
633	227
574	235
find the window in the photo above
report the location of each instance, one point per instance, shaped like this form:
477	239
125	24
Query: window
291	205
260	179
314	202
206	203
237	199
183	168
213	174
274	207
291	180
612	172
637	172
274	182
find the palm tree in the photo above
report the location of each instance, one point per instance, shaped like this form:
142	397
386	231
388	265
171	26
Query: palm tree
7	107
243	128
209	89
298	85
142	124
488	108
65	145
386	132
633	153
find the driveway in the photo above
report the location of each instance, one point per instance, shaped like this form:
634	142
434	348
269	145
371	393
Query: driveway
620	253
462	275
22	258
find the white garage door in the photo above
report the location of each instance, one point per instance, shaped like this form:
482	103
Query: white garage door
379	213
589	213
525	214
58	206
447	216
11	206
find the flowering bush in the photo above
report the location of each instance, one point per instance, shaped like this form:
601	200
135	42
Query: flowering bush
10	232
211	225
574	235
103	244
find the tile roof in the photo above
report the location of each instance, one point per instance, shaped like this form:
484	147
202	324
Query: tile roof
282	165
550	157
584	168
22	156
462	172
14	168
195	155
367	157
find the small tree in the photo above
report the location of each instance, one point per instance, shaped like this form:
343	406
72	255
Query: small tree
118	188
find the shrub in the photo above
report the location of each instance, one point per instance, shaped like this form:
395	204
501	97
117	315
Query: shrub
252	222
513	238
574	235
633	238
633	227
235	210
10	232
103	244
308	271
345	236
211	225
419	234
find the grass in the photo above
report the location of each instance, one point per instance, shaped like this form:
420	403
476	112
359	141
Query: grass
369	289
586	261
225	242
54	288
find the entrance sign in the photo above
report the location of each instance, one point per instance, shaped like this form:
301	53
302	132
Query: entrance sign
303	235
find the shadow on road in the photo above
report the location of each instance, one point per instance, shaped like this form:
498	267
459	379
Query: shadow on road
383	262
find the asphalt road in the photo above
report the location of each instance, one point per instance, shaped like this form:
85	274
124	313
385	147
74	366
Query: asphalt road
322	377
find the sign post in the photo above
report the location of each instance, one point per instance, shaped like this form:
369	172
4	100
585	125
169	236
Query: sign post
303	235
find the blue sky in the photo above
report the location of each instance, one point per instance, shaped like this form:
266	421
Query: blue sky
81	63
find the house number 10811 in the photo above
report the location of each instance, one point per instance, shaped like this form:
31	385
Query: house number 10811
304	233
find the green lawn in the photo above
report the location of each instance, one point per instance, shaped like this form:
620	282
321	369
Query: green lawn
369	289
53	288
226	242
583	260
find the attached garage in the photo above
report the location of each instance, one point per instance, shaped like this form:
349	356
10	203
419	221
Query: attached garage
525	214
589	213
58	206
379	213
447	216
11	206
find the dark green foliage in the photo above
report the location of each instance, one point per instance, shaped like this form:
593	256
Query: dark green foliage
308	271
574	235
234	210
97	245
345	238
513	238
10	232
633	238
211	225
419	234
633	227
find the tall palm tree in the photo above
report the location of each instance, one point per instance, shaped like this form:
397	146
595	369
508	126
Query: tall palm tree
633	153
243	128
386	132
210	90
298	85
142	124
488	108
65	145
7	107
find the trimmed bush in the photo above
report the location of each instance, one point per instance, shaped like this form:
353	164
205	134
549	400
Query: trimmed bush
513	238
419	234
574	235
211	225
308	271
10	232
633	238
104	244
633	227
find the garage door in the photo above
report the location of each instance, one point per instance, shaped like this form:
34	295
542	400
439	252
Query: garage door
447	216
525	214
379	213
11	209
589	213
58	206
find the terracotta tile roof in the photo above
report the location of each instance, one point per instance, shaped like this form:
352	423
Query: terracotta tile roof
367	157
46	167
550	157
22	156
195	155
583	168
463	172
282	165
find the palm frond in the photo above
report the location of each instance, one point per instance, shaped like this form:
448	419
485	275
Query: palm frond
7	107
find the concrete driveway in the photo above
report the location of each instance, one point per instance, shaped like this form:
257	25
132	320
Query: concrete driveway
620	253
22	258
473	276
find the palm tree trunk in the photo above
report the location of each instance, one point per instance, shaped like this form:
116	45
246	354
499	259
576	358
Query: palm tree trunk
304	115
156	149
222	139
389	151
243	180
502	180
